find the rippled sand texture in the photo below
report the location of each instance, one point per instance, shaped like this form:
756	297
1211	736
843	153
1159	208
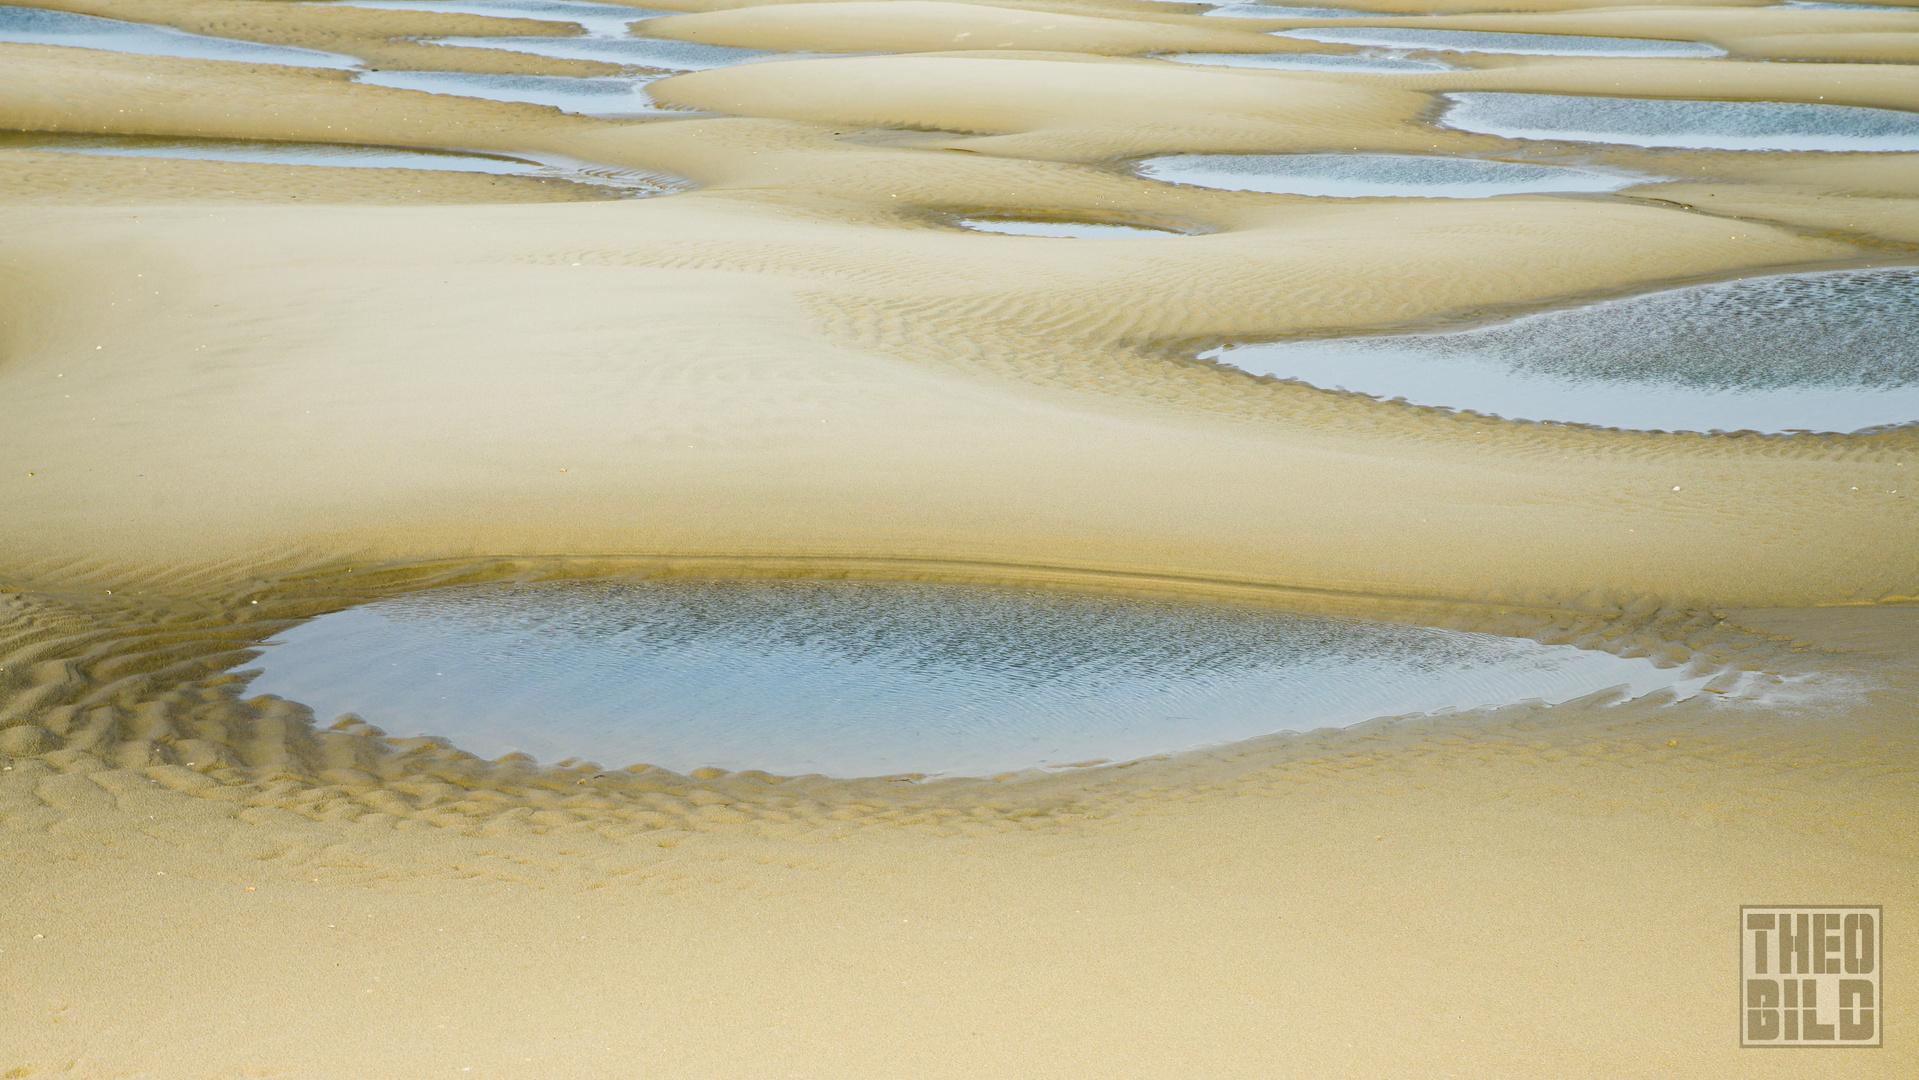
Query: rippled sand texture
729	322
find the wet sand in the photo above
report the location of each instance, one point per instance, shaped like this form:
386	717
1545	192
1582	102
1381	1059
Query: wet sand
233	396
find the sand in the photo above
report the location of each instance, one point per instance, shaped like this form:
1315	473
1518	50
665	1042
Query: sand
234	396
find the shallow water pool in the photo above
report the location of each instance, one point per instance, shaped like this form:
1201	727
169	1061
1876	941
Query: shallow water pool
600	20
1475	41
876	679
1310	62
1352	176
38	26
1283	11
339	156
1695	125
612	97
656	53
1818	5
1835	351
1063	230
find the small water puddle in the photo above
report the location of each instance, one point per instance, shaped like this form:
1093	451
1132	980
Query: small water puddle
1474	41
599	20
1835	351
38	26
1352	176
1064	230
1819	5
609	97
1281	11
1693	125
340	156
876	679
658	54
1387	64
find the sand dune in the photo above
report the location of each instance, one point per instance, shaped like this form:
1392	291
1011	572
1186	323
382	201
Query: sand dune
929	25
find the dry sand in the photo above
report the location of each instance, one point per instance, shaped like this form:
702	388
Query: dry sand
235	396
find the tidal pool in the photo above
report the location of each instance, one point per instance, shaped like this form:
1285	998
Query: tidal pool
1835	351
1476	41
339	156
1064	230
600	20
1309	62
613	97
1282	11
1694	125
657	53
1352	176
1818	5
875	679
38	26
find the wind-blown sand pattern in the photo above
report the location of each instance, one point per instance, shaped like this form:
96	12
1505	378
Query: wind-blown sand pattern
237	394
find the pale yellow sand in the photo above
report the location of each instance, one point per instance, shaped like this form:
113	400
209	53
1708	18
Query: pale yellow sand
1509	896
71	179
232	396
930	25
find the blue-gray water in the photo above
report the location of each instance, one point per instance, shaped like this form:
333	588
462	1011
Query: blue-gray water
37	26
1684	124
1352	176
1360	62
874	679
340	156
599	20
658	54
1512	44
606	96
1062	230
1285	11
1833	351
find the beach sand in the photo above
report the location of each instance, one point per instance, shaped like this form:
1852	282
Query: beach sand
234	396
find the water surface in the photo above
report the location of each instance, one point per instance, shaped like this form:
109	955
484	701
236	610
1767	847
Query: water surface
1819	5
1066	230
1696	125
1475	41
600	20
613	97
1282	11
341	156
657	53
1351	176
1310	62
37	26
875	679
1835	351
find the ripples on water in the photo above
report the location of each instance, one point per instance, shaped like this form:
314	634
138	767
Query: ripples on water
1512	44
656	53
1697	125
36	26
873	679
1835	351
1281	11
602	20
1352	176
334	155
1309	62
1066	230
1819	6
610	97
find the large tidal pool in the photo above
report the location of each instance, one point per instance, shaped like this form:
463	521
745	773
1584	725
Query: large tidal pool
882	679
